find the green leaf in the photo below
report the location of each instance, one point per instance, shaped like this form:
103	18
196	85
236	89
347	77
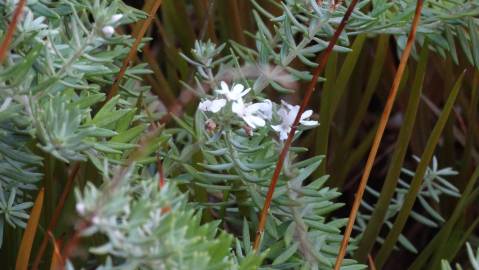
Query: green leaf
290	251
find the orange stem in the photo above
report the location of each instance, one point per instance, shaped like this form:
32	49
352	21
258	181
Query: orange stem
131	54
372	264
56	214
322	60
379	134
11	30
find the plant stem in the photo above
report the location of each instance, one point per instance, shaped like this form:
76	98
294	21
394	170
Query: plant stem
379	134
322	60
126	63
11	29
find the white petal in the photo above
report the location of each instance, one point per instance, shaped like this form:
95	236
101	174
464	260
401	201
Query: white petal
309	122
282	130
249	122
306	114
291	116
276	128
203	106
238	107
115	18
224	86
212	105
216	105
253	108
283	113
224	89
254	121
266	107
237	92
237	88
283	135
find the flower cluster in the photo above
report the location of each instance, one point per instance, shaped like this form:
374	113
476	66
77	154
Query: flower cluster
257	114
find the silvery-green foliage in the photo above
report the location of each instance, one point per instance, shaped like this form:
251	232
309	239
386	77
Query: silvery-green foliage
473	260
444	23
148	227
305	27
230	155
19	171
433	187
62	55
66	54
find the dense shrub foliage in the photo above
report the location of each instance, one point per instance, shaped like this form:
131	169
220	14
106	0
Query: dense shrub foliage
172	171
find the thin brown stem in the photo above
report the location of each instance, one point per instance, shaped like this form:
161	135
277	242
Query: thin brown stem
71	245
131	54
372	264
379	134
11	30
56	214
322	60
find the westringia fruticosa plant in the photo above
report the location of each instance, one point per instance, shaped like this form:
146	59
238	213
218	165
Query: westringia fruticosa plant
187	196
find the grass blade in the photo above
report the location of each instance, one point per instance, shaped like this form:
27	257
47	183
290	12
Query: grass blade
322	137
377	218
332	93
440	243
373	80
415	185
29	234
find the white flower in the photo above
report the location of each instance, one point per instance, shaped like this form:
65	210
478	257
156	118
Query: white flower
115	18
249	113
288	113
236	93
108	30
212	105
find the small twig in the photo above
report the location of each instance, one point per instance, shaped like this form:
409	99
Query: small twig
56	214
372	265
322	60
71	245
131	54
379	134
11	30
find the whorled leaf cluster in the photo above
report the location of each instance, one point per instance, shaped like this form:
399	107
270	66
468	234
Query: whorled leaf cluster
433	188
